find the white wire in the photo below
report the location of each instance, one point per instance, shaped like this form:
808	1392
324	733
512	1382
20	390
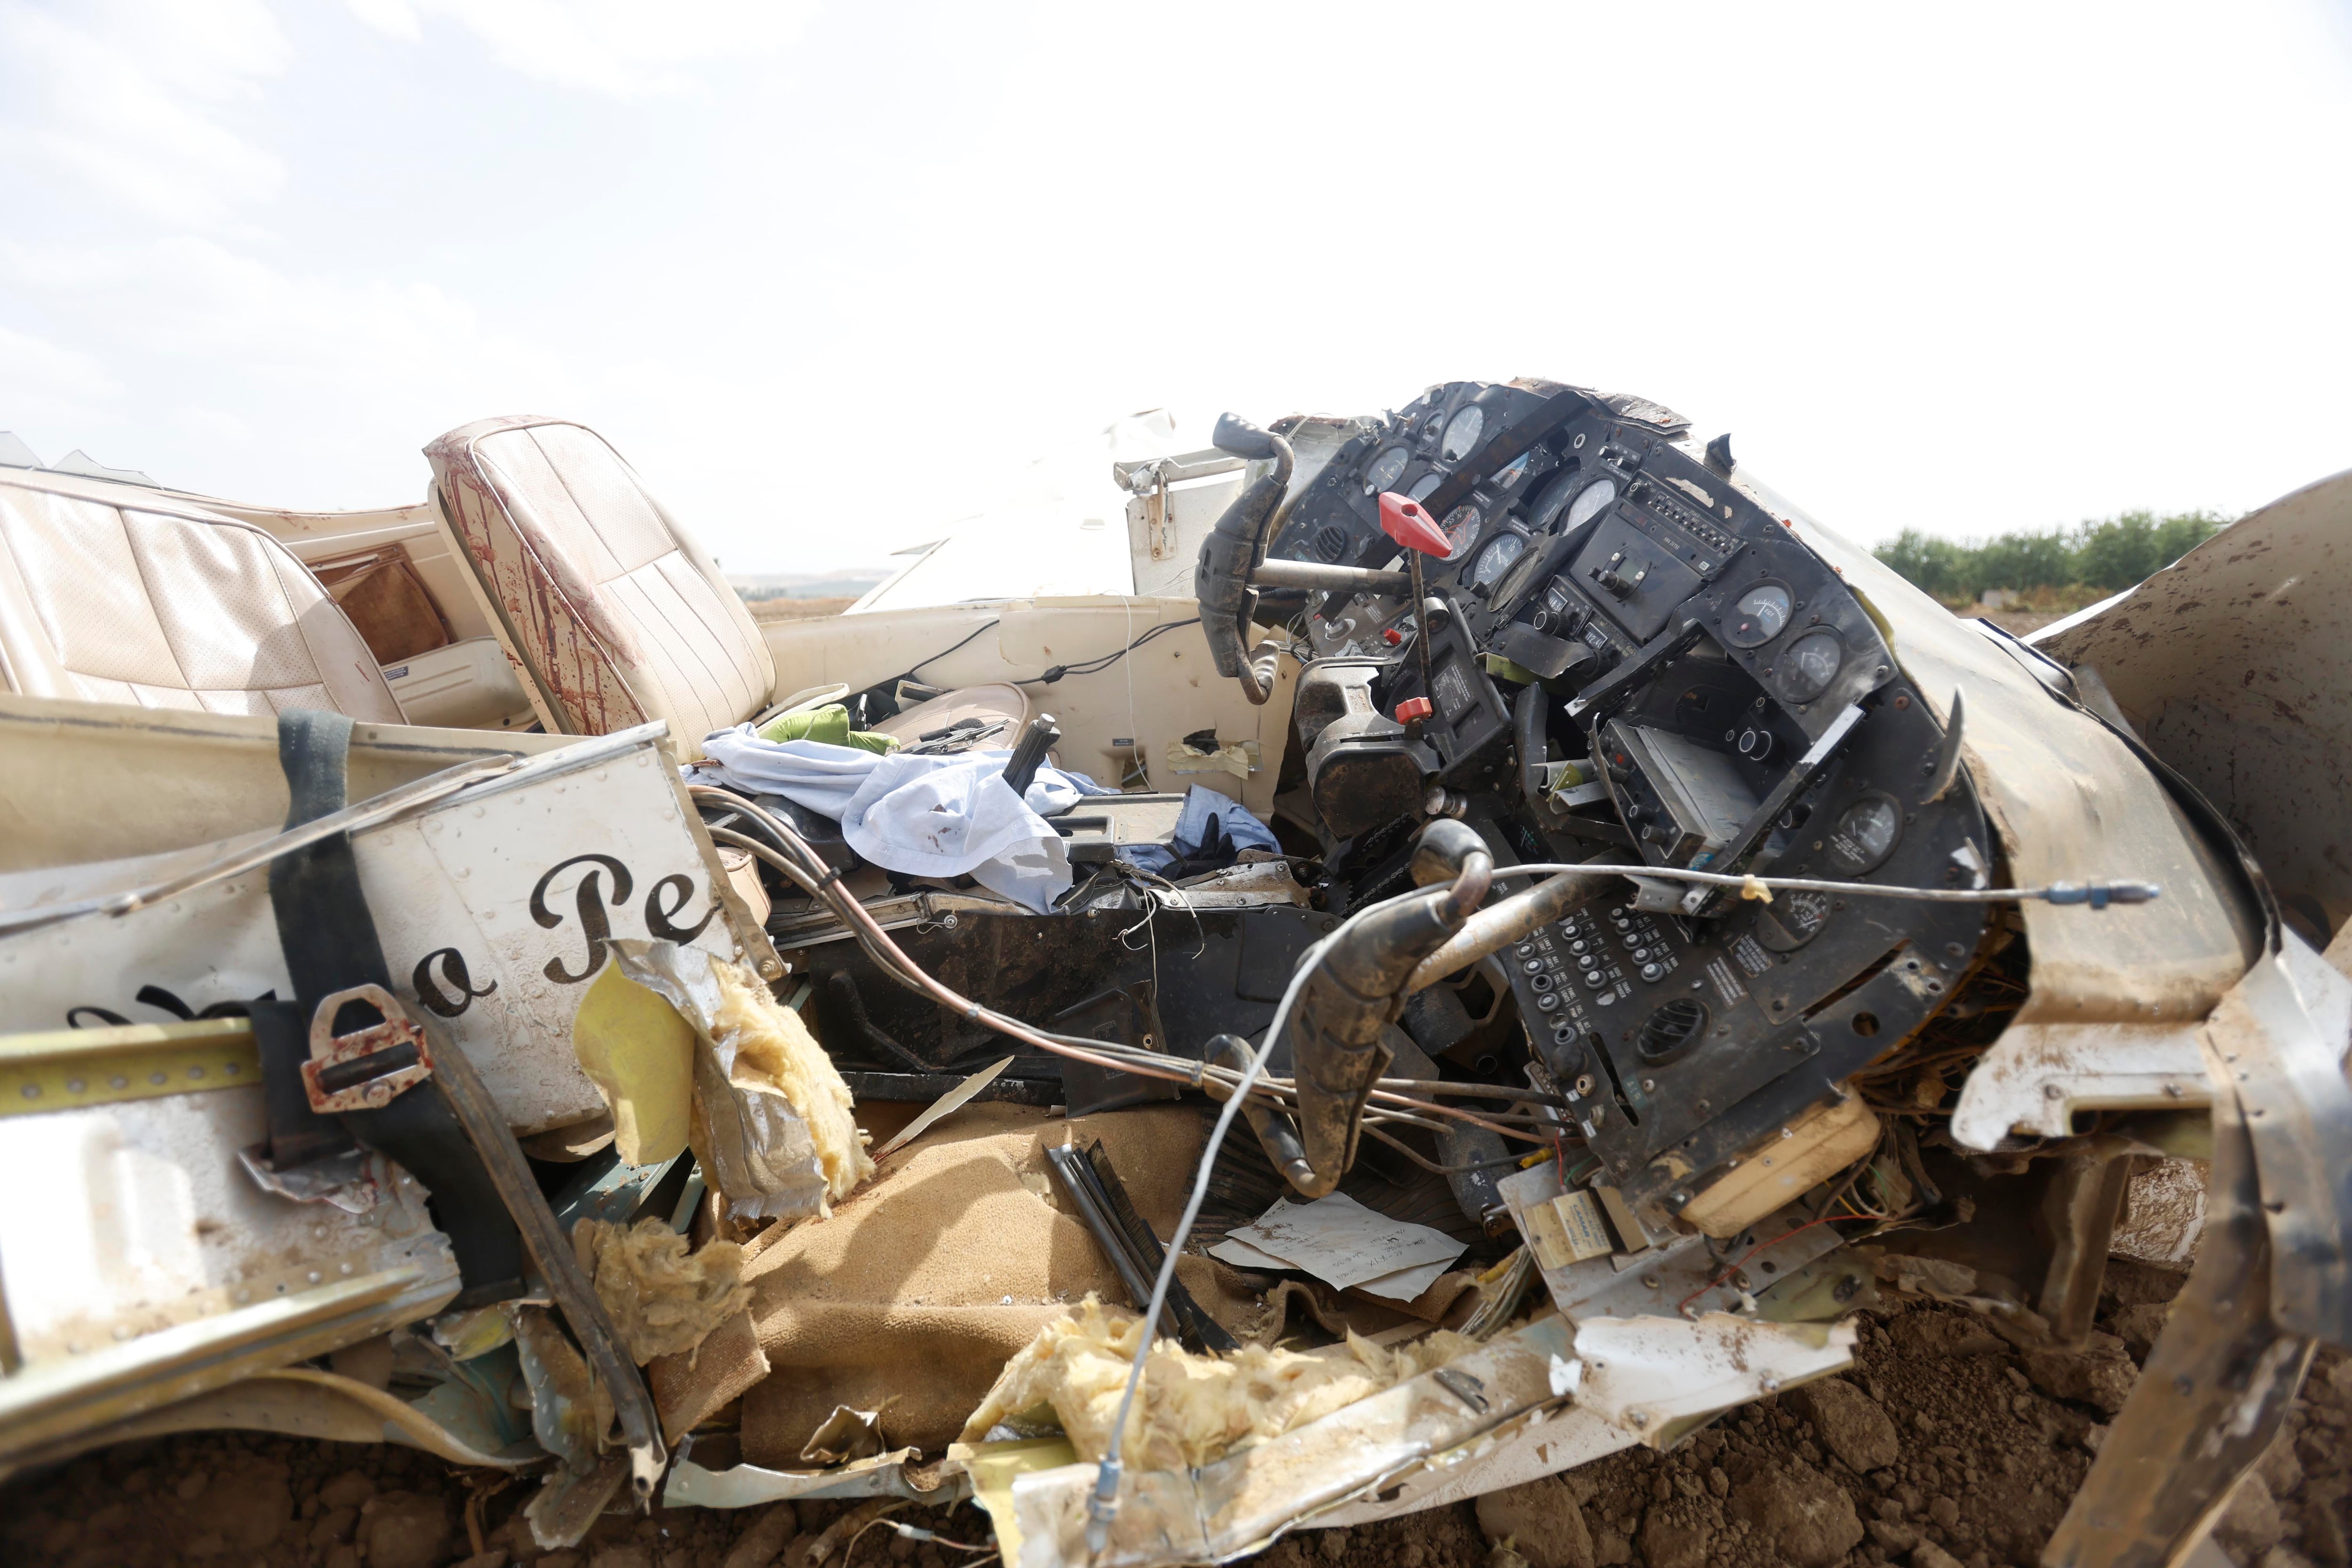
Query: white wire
1104	1502
2123	893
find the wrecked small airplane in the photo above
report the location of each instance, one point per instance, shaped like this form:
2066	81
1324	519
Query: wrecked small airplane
1501	966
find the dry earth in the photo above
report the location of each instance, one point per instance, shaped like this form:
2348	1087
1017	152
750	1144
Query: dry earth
1941	1447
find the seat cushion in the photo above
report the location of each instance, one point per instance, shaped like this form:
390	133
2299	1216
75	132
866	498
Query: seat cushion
985	703
114	594
616	612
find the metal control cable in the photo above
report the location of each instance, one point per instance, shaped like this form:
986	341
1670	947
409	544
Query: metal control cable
2098	895
1103	1507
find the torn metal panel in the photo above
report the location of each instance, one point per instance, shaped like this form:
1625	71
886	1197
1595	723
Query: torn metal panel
947	1105
2213	1395
2037	1075
1235	1505
155	1267
41	1405
2231	664
2072	803
2288	1082
296	1402
1549	1442
496	906
571	1413
1656	1376
896	1475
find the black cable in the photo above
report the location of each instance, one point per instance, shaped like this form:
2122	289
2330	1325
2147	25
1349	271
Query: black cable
1053	672
1103	661
908	673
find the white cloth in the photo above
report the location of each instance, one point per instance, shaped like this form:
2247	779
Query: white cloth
924	816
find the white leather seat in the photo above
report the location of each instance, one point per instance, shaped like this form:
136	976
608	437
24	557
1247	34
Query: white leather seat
110	593
613	610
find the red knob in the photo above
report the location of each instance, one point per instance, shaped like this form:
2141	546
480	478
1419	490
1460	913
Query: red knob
1391	636
1413	708
1406	522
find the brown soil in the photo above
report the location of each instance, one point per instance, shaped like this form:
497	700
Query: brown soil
2021	612
1941	1446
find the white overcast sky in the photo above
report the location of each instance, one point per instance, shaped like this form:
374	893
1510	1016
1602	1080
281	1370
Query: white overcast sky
833	275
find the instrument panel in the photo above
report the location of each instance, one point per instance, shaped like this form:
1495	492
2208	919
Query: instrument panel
1630	657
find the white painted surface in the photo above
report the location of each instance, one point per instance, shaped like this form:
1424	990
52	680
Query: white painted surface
600	842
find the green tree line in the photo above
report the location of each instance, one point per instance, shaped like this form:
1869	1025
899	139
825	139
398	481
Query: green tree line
2110	553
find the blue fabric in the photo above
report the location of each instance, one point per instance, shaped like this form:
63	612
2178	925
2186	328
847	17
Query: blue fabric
1206	814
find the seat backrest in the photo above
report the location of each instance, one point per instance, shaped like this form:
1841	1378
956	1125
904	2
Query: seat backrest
109	592
616	614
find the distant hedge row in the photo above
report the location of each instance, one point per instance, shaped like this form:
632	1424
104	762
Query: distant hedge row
2110	553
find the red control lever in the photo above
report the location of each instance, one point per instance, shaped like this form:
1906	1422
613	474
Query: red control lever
1405	522
1413	708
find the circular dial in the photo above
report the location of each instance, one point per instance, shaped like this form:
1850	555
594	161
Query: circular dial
1386	469
1508	474
1809	665
1552	499
1759	616
1496	559
1792	920
1423	485
1589	502
1865	834
1462	433
1461	527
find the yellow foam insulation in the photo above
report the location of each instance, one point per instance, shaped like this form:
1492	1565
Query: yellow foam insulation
1189	1409
663	1299
775	1053
639	1054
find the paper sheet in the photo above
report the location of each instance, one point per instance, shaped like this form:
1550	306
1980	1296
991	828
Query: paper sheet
1406	1284
1242	1254
1344	1244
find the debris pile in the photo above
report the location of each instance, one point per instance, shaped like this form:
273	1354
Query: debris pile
1940	1446
1628	940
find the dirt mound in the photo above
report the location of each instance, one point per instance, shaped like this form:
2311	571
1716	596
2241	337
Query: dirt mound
1941	1446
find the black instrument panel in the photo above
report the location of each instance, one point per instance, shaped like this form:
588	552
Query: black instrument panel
1706	693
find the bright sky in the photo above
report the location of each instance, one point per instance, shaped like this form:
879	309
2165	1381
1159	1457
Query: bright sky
833	275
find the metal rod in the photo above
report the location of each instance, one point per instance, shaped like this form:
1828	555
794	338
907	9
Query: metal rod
1313	576
1498	926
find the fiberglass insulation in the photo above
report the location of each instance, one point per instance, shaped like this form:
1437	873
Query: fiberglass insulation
773	1122
663	1298
1189	1409
774	1050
